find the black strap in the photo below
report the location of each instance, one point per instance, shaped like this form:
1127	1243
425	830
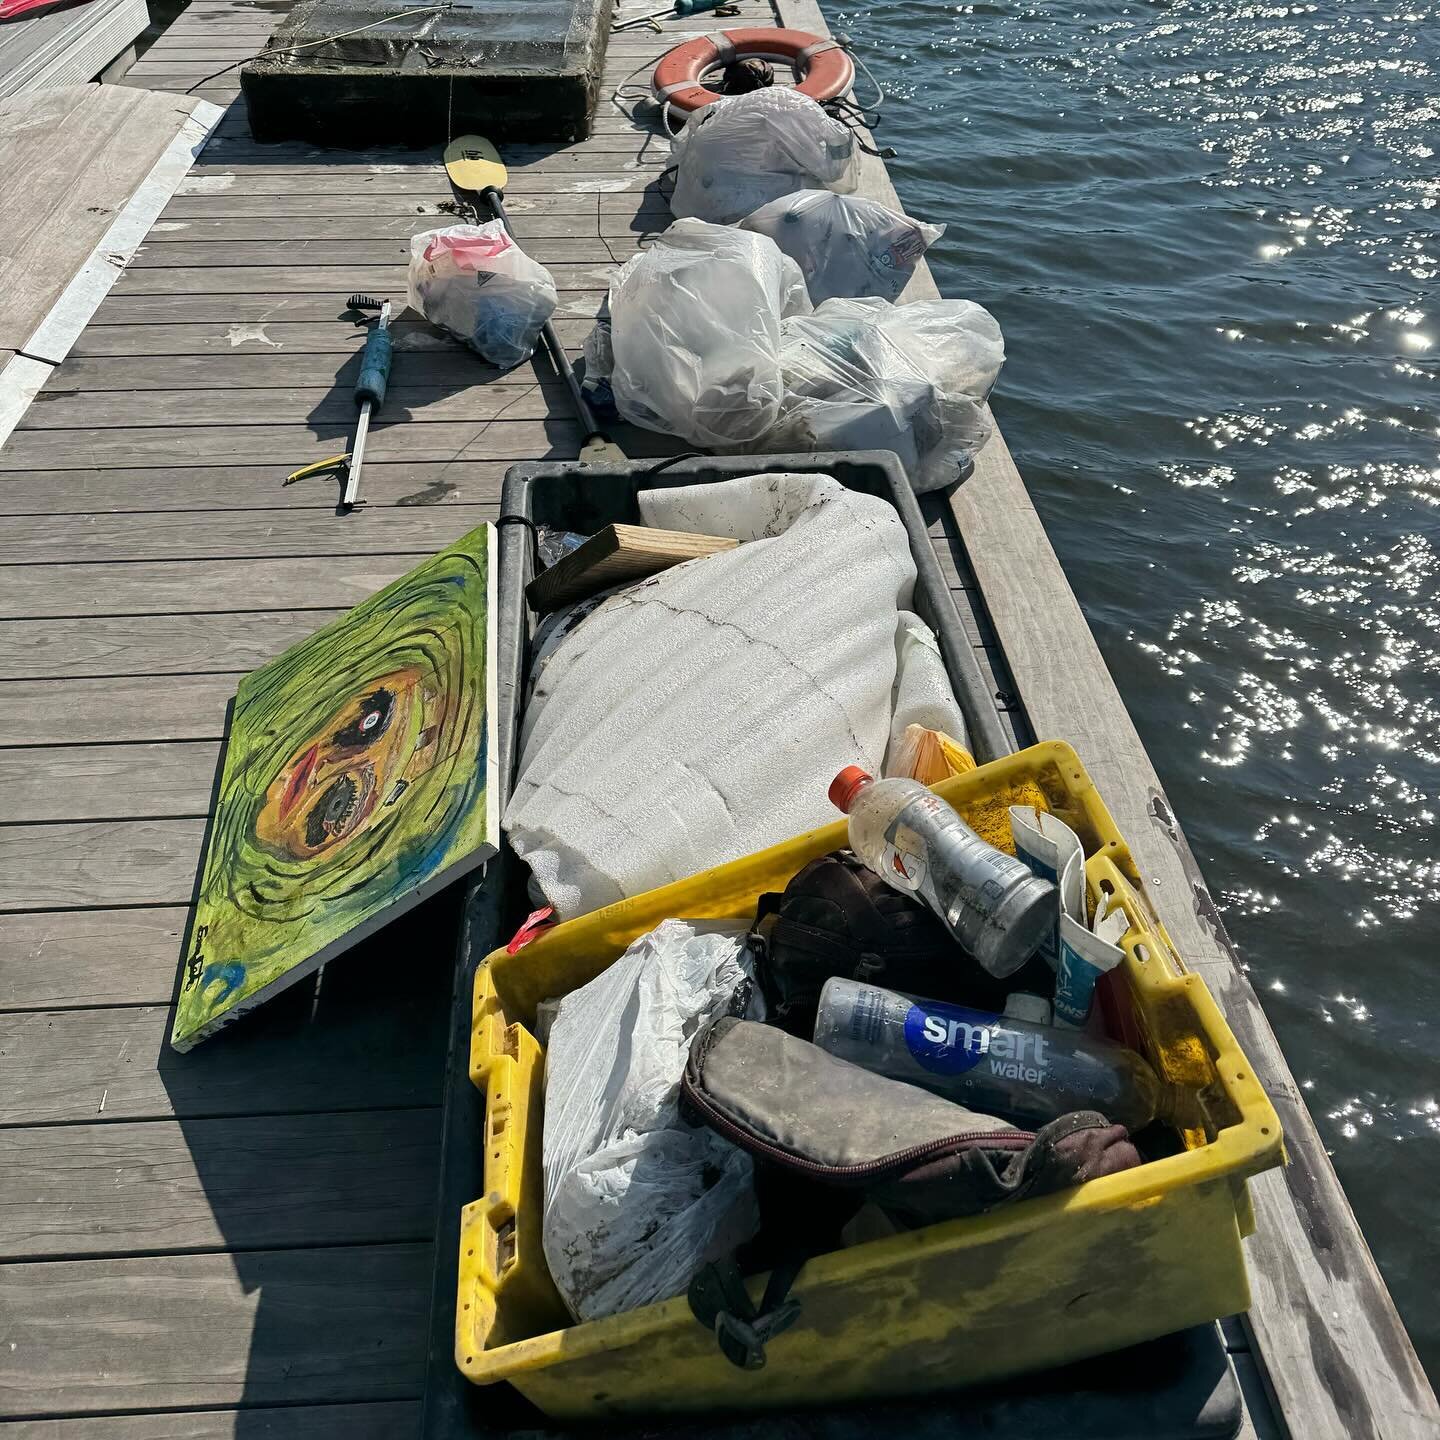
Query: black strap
720	1302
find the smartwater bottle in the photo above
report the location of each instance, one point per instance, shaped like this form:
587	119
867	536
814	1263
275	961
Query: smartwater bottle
990	901
988	1062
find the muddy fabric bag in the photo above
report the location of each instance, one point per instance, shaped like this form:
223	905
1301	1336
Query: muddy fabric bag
837	917
833	1130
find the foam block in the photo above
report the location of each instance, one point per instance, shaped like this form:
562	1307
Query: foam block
700	715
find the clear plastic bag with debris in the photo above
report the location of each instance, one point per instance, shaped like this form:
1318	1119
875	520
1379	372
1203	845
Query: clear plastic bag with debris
867	375
695	334
477	283
845	245
636	1199
742	151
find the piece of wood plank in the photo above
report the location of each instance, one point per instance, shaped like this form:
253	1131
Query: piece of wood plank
303	278
55	958
241	487
115	708
268	1327
105	782
381	1420
615	554
269	337
99	863
616	211
173	586
245	309
171	253
569	182
538	235
484	398
175	535
93	1066
453	368
151	645
289	447
155	1186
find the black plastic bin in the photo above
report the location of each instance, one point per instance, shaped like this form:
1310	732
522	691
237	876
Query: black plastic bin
570	495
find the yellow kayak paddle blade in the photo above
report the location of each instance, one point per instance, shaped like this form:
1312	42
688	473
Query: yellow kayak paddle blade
474	164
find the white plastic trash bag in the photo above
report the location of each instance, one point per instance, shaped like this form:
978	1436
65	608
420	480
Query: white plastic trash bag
636	1199
741	151
867	375
845	245
923	693
477	283
695	334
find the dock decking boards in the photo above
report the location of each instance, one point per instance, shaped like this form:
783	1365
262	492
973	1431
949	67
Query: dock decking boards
148	557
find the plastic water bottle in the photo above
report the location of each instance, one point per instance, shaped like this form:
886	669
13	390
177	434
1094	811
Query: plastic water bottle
990	902
989	1062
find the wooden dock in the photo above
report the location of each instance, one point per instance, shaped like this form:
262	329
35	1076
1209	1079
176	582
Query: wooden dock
238	1242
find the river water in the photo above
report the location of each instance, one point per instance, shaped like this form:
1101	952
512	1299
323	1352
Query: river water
1209	230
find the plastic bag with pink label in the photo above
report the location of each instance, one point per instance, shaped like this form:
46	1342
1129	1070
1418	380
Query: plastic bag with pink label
477	283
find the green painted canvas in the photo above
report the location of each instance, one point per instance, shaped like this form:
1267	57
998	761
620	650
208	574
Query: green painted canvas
357	781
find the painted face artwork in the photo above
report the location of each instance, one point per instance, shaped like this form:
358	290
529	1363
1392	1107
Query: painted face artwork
356	780
362	759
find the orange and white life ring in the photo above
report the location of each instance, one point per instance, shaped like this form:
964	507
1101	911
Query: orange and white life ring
823	69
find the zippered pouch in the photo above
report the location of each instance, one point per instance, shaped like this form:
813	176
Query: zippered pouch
921	1158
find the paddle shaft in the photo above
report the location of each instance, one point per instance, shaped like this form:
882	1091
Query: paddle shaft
492	197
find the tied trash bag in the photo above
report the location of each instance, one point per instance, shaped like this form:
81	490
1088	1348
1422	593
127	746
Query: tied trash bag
742	151
636	1200
477	283
845	245
868	375
695	334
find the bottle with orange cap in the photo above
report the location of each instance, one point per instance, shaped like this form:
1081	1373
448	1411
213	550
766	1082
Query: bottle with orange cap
991	902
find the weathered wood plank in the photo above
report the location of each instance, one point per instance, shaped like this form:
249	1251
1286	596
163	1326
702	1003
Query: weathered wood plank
155	1186
99	863
61	1066
618	211
170	587
412	338
123	707
383	1420
168	251
290	447
244	309
538	235
99	782
420	372
306	279
240	487
484	397
176	535
150	645
569	181
268	1327
89	957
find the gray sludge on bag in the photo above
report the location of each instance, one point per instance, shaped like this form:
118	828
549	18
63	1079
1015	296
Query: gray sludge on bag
742	151
845	245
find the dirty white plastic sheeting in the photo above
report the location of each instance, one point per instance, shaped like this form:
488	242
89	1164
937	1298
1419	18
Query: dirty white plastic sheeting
636	1200
923	694
701	715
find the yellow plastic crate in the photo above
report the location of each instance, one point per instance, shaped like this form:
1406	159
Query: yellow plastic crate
1116	1261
